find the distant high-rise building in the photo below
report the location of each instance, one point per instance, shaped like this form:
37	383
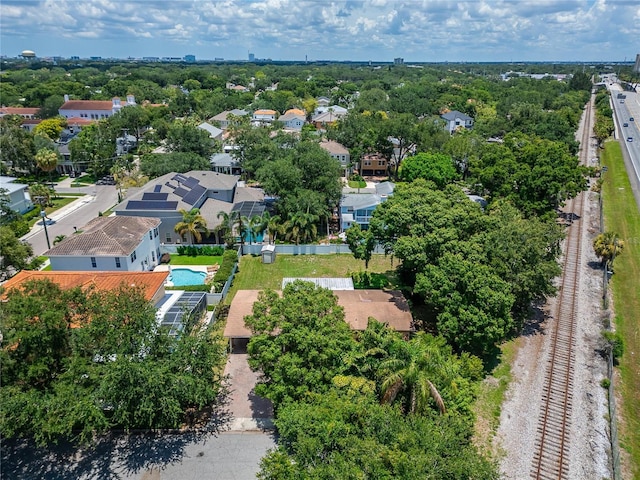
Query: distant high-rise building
398	61
190	58
636	67
252	57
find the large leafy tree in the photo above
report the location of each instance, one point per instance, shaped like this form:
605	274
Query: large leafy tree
361	243
17	147
15	252
94	147
298	342
157	164
187	138
77	363
435	167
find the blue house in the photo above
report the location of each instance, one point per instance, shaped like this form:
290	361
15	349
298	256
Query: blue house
359	207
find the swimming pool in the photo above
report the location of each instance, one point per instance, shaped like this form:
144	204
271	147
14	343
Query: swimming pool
185	276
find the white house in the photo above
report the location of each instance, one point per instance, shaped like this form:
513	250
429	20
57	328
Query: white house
264	115
121	243
24	112
19	199
337	151
92	109
456	120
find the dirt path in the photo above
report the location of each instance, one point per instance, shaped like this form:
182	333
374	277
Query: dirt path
517	433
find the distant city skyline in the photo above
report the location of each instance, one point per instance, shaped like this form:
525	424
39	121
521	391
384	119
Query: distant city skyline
295	30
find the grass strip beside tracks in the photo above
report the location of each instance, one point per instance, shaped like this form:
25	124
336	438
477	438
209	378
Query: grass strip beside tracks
621	216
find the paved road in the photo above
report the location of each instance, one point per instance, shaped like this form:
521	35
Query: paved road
215	456
97	199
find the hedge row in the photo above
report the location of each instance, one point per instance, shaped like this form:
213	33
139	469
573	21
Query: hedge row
194	251
229	259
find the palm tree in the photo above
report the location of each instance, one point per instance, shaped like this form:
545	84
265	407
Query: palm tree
192	223
226	227
40	194
47	161
241	224
409	373
608	246
301	227
258	224
274	226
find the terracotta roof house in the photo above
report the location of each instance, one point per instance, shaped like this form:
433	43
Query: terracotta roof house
24	112
19	198
222	118
152	283
110	243
456	120
211	192
171	306
388	307
93	109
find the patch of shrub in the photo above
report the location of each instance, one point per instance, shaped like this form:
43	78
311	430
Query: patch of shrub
195	250
191	288
362	280
229	259
616	343
605	383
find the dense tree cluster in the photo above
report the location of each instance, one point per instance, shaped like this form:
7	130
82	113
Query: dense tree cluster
77	363
352	405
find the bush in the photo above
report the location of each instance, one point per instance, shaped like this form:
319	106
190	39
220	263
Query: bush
195	250
363	280
605	383
192	288
616	343
229	259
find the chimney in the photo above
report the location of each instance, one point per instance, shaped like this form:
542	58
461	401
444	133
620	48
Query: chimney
66	97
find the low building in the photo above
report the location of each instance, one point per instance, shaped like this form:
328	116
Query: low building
373	164
264	116
223	118
108	244
293	119
457	120
388	307
93	109
24	112
19	198
225	163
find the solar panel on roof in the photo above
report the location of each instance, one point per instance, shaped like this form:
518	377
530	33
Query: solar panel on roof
181	191
194	195
154	196
191	182
170	185
180	178
157	188
151	205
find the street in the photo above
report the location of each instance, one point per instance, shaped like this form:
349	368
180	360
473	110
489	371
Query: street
97	199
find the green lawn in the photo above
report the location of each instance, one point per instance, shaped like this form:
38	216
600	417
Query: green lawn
622	216
198	260
58	203
255	275
357	184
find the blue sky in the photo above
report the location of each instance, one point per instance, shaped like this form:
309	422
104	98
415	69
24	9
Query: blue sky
379	30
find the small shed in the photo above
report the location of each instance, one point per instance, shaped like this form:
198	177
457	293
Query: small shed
268	253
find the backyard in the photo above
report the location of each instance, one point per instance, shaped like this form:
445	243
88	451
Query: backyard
254	275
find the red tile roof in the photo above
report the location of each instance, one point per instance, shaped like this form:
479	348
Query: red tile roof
87	105
151	282
18	111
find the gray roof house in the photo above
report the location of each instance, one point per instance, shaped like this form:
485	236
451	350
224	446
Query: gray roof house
19	199
214	132
456	120
225	163
108	244
223	118
165	196
358	207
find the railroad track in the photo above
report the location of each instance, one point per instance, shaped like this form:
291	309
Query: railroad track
551	456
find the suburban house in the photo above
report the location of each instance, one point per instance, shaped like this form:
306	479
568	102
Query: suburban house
225	163
388	307
456	120
373	164
19	199
24	112
215	133
359	207
92	109
110	243
328	117
223	119
293	119
264	116
171	306
323	101
339	152
211	192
